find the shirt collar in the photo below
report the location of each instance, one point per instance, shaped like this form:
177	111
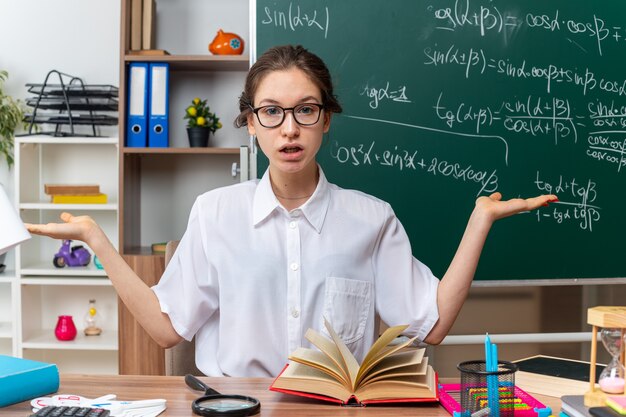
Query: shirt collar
314	210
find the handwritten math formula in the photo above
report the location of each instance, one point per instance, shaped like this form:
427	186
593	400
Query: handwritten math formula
575	202
368	154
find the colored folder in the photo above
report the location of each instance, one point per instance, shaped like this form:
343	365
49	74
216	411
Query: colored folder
137	123
158	133
23	379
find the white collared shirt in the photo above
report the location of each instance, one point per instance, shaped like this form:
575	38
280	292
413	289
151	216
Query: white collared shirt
249	278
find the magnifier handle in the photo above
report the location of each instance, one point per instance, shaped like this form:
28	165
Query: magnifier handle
195	383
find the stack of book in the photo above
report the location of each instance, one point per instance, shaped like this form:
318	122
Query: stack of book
75	194
556	377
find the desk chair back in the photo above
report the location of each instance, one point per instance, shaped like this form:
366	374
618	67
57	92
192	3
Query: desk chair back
181	359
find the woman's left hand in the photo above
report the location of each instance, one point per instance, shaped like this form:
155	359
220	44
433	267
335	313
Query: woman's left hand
494	208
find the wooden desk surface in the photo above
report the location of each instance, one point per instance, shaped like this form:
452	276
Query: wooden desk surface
179	397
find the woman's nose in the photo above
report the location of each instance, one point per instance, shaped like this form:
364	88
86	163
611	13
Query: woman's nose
290	127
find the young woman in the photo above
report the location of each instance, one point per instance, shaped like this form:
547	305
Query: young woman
263	261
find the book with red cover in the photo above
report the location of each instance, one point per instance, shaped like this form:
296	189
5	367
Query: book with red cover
391	372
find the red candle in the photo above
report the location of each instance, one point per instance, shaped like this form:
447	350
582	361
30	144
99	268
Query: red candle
65	330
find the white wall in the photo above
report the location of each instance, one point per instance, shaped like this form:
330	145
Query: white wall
78	37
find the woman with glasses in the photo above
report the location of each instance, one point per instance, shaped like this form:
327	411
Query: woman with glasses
263	261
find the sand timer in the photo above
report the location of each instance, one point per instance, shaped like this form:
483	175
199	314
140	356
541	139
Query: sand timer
91	329
612	322
611	379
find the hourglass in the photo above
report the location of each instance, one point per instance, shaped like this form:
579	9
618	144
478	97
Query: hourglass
611	379
612	320
91	329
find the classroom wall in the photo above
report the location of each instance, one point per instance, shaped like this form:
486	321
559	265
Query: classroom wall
78	37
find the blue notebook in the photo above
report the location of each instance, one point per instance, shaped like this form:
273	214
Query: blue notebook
23	379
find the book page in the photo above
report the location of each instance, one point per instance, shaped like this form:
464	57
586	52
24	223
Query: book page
380	355
330	349
321	361
418	386
392	367
348	358
298	377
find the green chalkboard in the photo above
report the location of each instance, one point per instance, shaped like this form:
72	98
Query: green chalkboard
445	101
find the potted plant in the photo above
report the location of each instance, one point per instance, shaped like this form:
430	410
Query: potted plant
200	122
11	116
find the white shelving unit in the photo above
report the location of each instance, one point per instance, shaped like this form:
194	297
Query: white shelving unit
7	280
40	292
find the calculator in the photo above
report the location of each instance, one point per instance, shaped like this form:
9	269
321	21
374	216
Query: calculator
63	411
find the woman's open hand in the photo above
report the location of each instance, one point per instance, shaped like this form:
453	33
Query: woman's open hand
494	208
74	227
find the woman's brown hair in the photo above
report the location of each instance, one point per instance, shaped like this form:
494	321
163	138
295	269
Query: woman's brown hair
282	58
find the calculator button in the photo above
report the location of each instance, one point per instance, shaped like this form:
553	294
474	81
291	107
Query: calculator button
82	412
43	412
58	412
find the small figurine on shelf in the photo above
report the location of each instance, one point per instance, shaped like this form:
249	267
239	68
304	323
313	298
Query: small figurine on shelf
226	43
97	263
71	256
90	320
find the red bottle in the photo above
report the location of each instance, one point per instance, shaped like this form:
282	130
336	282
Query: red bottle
65	330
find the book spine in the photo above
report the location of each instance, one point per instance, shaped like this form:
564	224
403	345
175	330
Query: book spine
27	385
79	199
71	189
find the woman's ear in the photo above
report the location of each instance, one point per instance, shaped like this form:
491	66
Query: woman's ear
327	117
251	129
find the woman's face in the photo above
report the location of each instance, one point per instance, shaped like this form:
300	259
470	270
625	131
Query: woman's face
290	147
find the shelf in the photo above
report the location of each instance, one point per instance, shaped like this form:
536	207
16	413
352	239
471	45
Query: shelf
186	151
68	207
45	339
47	269
67	140
79	281
7	277
142	251
6	329
197	62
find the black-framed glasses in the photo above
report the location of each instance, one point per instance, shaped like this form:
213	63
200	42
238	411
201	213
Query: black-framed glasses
305	114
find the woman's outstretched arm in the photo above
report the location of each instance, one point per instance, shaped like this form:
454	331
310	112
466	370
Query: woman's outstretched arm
135	294
455	284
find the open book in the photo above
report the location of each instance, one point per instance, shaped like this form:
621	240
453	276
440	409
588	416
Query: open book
389	372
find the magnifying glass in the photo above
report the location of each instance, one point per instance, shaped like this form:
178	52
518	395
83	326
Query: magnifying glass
214	404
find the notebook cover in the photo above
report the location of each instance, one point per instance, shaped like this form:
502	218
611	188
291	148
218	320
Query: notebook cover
574	406
24	379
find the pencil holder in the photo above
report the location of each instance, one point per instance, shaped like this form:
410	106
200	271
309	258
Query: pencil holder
477	385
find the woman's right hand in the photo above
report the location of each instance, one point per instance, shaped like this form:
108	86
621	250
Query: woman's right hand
82	228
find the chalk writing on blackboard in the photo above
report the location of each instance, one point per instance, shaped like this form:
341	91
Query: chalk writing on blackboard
294	19
489	18
575	201
505	147
378	94
370	154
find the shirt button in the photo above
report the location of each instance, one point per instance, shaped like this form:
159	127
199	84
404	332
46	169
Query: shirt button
295	213
295	313
292	225
294	266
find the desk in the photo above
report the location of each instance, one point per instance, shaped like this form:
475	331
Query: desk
179	397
